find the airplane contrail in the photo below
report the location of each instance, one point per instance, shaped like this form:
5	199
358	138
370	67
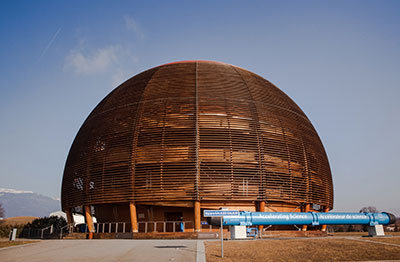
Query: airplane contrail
49	44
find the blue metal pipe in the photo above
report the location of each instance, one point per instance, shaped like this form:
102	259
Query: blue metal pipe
306	218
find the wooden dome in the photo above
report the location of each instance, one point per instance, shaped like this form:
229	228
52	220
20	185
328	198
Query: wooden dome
197	131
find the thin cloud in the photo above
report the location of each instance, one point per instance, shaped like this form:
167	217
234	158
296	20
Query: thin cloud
131	24
49	44
115	60
119	77
97	61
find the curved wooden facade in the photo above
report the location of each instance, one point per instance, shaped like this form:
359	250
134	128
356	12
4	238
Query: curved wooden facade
197	131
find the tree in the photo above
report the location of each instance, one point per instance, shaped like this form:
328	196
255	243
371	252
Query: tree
2	212
369	210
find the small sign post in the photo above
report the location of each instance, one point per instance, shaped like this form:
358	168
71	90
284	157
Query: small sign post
221	214
222	237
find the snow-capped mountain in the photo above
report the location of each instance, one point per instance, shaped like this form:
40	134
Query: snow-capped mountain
27	203
14	191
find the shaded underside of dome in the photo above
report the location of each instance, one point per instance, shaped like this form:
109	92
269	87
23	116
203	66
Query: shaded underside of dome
197	131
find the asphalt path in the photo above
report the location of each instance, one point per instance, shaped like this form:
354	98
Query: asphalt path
105	250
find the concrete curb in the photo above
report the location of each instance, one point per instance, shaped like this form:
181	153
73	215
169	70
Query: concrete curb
16	246
200	251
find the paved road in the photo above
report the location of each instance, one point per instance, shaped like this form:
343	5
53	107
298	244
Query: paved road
103	250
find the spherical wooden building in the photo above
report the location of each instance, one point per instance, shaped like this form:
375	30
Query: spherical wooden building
194	135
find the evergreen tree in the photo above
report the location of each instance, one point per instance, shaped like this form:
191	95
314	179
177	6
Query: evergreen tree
57	222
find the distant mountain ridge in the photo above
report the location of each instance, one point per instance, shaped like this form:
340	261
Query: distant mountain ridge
27	203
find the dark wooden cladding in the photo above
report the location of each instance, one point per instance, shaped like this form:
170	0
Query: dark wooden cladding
197	130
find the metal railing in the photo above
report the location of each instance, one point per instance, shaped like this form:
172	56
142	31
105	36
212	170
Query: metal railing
206	227
143	227
113	227
68	228
165	226
46	232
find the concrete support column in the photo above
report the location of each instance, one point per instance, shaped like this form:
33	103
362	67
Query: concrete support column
323	227
132	211
197	216
261	208
306	209
70	217
89	221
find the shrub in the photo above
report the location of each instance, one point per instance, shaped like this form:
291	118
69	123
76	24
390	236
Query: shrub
6	229
43	222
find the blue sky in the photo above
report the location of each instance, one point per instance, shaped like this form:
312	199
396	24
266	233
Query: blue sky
339	60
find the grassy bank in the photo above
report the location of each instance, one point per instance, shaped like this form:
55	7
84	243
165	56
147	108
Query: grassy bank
291	250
